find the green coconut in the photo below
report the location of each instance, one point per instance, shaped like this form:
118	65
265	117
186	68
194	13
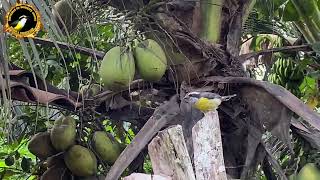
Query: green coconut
56	160
40	145
173	54
309	172
54	173
293	177
9	161
117	69
68	16
81	161
150	60
106	147
63	133
26	164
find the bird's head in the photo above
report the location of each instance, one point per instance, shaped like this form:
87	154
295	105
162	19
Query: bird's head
23	17
192	97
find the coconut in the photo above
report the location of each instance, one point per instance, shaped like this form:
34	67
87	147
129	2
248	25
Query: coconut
26	164
55	173
9	161
68	16
309	172
173	54
40	145
106	147
81	161
117	69
150	60
56	160
63	133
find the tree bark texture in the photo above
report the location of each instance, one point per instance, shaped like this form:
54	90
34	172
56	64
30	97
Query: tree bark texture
169	154
208	150
140	176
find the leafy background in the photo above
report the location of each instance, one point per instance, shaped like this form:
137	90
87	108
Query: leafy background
270	24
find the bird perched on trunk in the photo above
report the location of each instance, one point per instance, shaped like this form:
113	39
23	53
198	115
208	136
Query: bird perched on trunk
206	101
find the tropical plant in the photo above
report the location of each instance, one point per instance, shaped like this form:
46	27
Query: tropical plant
265	51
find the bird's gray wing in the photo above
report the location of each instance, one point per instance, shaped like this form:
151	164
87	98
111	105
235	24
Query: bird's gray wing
210	95
14	23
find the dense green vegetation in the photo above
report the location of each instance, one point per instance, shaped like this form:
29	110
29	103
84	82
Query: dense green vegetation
269	24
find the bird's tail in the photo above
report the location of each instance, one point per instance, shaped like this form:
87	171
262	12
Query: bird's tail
227	98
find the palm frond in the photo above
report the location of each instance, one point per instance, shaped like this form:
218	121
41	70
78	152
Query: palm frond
256	24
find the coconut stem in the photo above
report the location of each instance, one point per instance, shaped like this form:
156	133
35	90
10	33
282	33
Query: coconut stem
211	19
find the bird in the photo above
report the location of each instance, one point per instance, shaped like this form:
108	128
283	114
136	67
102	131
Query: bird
20	23
206	101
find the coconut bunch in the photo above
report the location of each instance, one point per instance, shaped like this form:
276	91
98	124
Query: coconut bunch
63	157
308	172
120	64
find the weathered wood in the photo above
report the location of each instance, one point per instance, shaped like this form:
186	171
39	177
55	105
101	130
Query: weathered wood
167	112
208	151
169	155
140	176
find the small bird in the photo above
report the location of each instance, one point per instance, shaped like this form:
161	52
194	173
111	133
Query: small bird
20	23
206	101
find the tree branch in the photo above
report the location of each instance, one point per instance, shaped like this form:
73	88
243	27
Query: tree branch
244	57
66	46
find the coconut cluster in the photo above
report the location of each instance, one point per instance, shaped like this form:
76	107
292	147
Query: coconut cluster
121	64
64	157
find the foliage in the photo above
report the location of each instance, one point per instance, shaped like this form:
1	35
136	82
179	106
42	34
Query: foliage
16	161
261	24
271	24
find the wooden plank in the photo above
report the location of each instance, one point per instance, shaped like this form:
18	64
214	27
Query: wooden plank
169	155
140	176
208	150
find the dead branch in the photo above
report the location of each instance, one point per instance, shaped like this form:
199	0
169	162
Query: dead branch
280	93
274	163
103	96
309	134
66	46
166	113
244	57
